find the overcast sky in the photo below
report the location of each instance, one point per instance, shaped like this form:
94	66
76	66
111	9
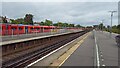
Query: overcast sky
84	13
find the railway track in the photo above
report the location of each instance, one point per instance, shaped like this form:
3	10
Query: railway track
28	58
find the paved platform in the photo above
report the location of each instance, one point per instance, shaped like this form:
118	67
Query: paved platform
21	38
108	47
85	54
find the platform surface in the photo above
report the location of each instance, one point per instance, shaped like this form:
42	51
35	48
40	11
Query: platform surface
85	54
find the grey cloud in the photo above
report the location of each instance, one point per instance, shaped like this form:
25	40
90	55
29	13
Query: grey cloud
60	0
84	13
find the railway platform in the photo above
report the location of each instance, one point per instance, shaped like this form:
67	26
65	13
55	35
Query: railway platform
25	37
85	55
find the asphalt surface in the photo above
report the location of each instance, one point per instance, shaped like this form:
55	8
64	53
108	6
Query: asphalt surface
85	54
108	47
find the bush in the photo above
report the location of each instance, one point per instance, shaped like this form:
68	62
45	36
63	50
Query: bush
116	31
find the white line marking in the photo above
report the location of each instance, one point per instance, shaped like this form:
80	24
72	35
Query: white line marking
98	59
102	60
101	55
49	54
103	65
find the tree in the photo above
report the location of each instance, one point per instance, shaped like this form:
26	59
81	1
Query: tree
118	27
55	24
48	22
13	21
95	26
65	24
108	26
60	24
101	26
18	21
89	27
42	23
71	25
29	19
78	25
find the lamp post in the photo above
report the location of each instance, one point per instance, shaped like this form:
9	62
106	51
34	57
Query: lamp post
111	20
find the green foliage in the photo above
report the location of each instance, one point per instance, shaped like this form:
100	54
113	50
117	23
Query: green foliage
60	24
78	25
118	27
89	27
18	21
42	23
115	29
55	24
28	19
65	24
71	25
47	22
101	26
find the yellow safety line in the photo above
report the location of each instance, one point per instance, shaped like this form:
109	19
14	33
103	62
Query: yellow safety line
68	53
